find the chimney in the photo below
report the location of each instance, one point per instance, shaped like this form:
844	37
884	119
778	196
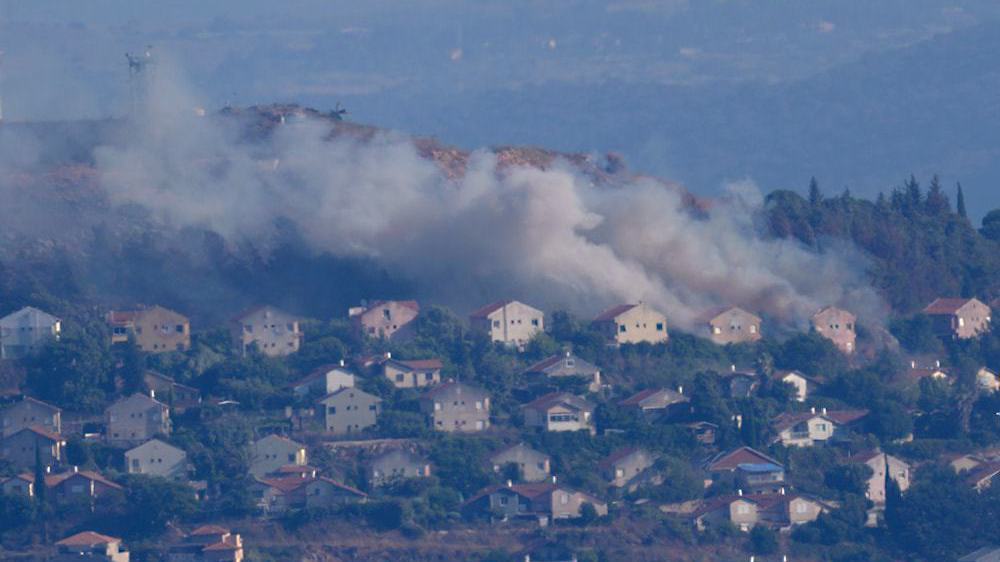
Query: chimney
152	393
76	468
732	368
739	492
388	355
913	363
812	410
568	353
937	363
48	470
782	490
510	483
341	362
553	478
680	390
824	411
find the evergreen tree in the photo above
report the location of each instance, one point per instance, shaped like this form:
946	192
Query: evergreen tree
913	195
960	203
815	197
893	499
41	492
936	202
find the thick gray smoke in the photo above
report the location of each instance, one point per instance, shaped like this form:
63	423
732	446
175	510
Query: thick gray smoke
550	238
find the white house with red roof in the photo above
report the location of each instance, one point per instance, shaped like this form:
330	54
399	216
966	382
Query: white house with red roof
560	411
509	322
567	364
959	318
805	429
91	546
412	373
384	319
632	323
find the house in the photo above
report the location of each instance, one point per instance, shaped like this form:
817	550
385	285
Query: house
25	330
385	319
916	371
30	412
208	543
155	329
178	396
781	510
958	318
838	326
878	461
532	465
628	468
415	373
157	458
279	495
90	546
632	323
509	322
349	410
982	476
987	380
323	381
703	431
80	486
135	419
733	325
270	331
20	449
759	478
805	429
728	462
660	402
454	406
268	454
544	502
397	464
567	364
985	554
804	385
960	463
22	485
741	383
560	411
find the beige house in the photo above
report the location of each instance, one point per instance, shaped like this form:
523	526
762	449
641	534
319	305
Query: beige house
136	419
280	495
532	465
385	319
658	401
414	373
21	485
178	396
30	412
560	411
567	364
90	546
804	385
878	461
959	318
729	462
26	330
808	428
269	454
733	325
987	380
208	543
509	322
323	381
539	501
349	410
632	323
270	331
459	407
156	458
155	329
628	468
395	465
19	448
781	510
838	326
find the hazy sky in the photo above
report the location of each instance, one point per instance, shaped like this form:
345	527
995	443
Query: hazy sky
702	91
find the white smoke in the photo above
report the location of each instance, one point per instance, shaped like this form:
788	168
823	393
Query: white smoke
548	237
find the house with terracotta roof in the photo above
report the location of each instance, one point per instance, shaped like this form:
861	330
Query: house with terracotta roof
155	329
628	468
90	546
983	476
805	429
567	364
267	330
659	402
208	543
268	454
632	323
728	462
880	462
458	407
157	458
508	322
532	465
30	412
732	325
757	478
277	495
958	318
26	330
19	449
176	395
560	411
838	326
413	373
348	410
324	380
79	486
136	419
542	502
917	370
396	465
385	319
781	511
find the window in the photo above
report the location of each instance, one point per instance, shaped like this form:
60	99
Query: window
479	405
496	323
248	328
753	328
800	507
742	509
437	406
622	328
179	328
659	326
428	376
386	314
332	410
716	330
564	499
619	473
372	408
503	500
535	322
400	377
135	465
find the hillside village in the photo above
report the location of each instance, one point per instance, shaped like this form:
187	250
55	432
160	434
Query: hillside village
402	417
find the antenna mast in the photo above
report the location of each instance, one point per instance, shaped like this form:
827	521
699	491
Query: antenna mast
140	69
1	86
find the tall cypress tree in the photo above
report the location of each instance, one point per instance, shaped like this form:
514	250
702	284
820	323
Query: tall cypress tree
815	197
893	498
960	202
